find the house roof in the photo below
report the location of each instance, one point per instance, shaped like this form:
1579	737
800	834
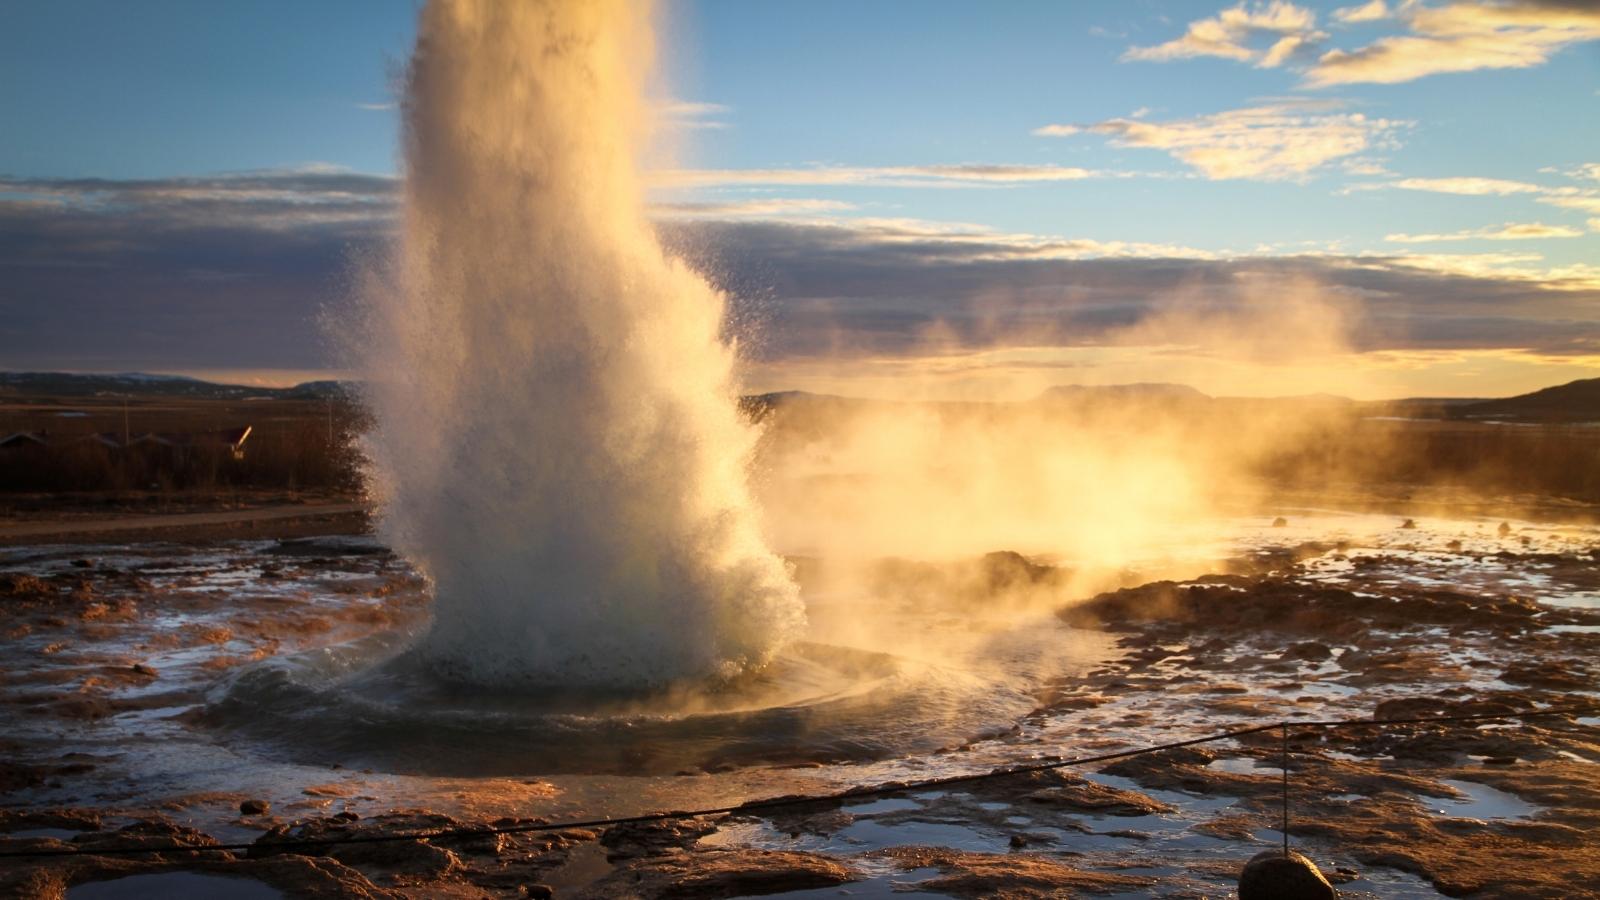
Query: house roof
23	439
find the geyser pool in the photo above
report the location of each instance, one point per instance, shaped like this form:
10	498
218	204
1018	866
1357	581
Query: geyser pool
557	444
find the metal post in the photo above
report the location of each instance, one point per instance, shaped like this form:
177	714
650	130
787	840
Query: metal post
1285	727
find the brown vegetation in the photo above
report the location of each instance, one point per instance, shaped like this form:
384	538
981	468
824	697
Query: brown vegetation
91	445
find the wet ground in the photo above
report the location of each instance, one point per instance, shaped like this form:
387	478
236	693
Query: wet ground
151	689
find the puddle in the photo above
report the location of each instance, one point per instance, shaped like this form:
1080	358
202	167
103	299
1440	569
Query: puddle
585	865
1236	765
1484	802
1573	600
165	885
60	834
886	805
869	834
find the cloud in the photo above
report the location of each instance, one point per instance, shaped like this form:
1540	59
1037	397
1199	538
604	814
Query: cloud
1228	34
1511	267
844	290
966	175
1462	36
1507	232
272	199
1569	197
231	272
378	107
1588	202
1277	141
1469	185
1374	11
738	209
221	272
691	114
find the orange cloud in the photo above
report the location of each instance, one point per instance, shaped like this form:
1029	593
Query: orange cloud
1462	37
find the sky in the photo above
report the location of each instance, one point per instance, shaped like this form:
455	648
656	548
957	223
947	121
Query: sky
920	199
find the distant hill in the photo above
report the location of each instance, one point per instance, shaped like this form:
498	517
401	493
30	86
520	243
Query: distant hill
1576	401
140	384
1160	392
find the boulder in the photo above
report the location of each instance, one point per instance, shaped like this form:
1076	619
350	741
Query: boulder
1270	875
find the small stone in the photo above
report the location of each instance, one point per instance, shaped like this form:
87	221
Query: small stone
1453	546
83	564
1505	528
1343	875
1270	875
255	808
142	669
1280	522
1499	760
539	891
1308	650
1409	523
1018	841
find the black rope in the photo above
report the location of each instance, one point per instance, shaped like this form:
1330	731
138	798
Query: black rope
786	802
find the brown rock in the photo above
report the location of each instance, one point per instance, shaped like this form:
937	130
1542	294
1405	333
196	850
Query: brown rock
1015	876
708	875
1308	650
1270	875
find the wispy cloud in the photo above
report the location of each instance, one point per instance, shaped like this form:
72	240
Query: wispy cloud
691	114
1462	36
1289	30
1457	36
770	207
378	107
1470	186
1527	268
1511	231
1581	199
1587	201
1374	11
1275	141
276	198
965	175
1586	172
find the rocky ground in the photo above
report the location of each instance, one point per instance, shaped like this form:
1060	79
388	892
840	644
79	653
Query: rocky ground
1415	624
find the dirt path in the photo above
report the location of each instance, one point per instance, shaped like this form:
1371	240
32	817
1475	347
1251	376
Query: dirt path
17	530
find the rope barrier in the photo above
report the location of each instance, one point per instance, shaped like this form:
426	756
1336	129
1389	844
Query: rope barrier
785	802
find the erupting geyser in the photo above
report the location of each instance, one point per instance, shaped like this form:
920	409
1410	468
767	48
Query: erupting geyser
557	442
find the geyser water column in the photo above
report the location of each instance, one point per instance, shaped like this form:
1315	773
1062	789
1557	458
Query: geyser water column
557	442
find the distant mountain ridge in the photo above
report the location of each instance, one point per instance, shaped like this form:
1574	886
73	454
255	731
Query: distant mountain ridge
1576	401
141	384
